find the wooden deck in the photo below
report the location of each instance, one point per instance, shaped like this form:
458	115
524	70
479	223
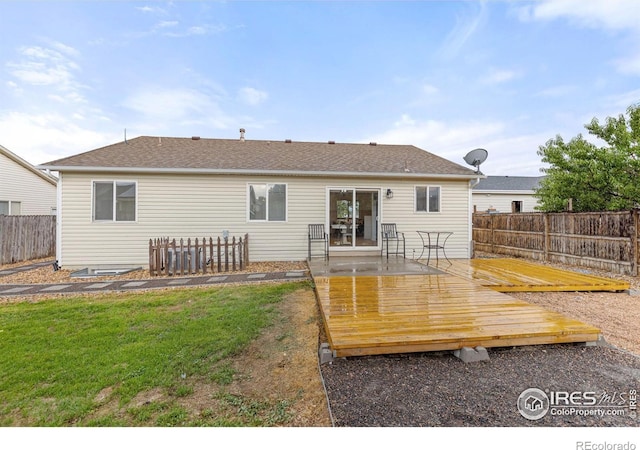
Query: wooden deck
369	315
514	275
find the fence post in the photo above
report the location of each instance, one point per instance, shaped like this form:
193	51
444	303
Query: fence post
546	237
226	254
634	243
233	253
246	249
491	216
219	256
151	257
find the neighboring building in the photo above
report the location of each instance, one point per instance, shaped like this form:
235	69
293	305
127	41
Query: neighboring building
506	194
114	199
25	190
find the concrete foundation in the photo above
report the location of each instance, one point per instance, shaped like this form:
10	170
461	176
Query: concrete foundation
468	354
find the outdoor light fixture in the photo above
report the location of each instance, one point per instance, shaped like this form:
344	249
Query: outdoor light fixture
389	193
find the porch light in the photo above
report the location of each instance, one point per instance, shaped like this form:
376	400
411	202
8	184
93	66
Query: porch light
389	193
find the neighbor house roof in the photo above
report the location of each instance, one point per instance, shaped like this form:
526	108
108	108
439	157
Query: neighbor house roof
21	162
195	155
508	184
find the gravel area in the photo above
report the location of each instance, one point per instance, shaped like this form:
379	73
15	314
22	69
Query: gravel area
438	390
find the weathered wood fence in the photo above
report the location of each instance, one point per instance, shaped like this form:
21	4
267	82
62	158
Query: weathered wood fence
601	240
26	237
187	257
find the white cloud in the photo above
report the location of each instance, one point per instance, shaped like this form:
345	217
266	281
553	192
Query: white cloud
629	65
39	138
440	137
48	66
464	28
607	14
167	103
508	154
429	89
557	91
252	96
499	76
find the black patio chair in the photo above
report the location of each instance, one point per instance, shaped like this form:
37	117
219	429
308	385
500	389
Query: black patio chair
390	234
317	234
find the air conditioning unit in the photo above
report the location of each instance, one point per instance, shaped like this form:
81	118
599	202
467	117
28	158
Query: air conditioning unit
180	259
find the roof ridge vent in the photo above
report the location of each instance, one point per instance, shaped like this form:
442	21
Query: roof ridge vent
195	138
287	141
331	142
373	143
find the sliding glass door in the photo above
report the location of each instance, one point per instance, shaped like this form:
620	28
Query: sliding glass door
353	217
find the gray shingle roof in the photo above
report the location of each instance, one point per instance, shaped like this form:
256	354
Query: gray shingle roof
258	156
508	183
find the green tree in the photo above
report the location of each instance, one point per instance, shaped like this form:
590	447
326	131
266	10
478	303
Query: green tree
594	178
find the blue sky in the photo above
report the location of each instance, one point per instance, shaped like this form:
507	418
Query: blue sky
446	76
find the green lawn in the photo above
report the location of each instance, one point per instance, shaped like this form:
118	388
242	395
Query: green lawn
63	359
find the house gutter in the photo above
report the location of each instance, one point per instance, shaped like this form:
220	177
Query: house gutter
183	171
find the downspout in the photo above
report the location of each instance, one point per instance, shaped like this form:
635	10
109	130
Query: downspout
472	184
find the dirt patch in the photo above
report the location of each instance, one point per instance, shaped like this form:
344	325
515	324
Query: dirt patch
280	366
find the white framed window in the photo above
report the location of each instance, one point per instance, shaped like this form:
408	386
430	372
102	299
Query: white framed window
428	199
267	202
10	208
114	201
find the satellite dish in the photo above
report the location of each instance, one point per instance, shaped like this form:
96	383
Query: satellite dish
476	157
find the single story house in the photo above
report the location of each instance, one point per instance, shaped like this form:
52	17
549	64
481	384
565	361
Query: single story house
506	194
25	190
114	199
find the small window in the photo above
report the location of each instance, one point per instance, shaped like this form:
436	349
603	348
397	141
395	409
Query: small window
10	208
268	202
114	201
428	198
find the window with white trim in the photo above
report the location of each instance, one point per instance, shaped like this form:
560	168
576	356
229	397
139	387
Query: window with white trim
268	202
114	201
10	208
428	198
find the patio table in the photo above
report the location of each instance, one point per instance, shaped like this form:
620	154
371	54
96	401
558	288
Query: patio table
434	240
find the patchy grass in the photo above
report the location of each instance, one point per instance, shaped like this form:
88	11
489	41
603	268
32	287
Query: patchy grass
132	360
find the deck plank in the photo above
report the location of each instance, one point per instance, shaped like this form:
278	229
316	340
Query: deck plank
514	275
368	315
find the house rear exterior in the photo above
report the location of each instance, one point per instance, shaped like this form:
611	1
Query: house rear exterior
114	199
25	190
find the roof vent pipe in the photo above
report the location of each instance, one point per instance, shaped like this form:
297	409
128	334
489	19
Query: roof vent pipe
242	131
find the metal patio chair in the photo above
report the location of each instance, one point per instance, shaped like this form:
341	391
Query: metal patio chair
390	234
317	235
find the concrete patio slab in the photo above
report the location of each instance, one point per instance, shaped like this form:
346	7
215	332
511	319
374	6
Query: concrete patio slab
368	265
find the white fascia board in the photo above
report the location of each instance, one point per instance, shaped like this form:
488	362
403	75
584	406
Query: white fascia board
84	169
497	192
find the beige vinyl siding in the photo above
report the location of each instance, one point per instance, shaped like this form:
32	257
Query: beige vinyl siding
184	206
18	184
501	202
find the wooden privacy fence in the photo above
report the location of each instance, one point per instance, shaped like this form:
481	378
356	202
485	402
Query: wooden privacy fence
26	237
599	240
188	257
